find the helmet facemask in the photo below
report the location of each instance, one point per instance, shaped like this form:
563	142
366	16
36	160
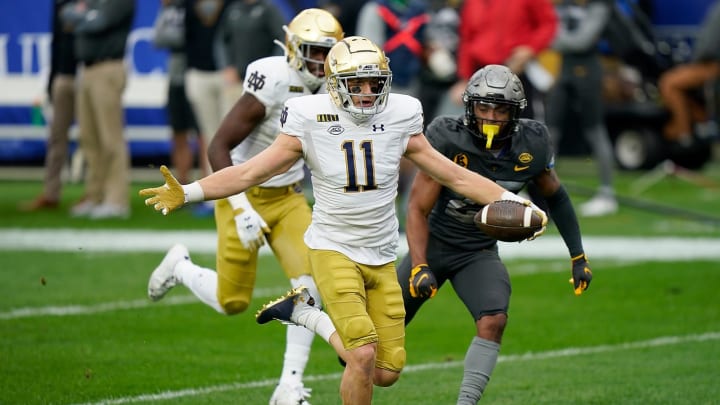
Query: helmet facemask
493	86
352	64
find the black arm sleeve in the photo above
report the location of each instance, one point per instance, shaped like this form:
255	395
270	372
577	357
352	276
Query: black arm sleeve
563	214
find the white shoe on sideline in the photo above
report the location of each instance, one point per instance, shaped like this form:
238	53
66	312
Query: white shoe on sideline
82	209
599	206
163	278
109	211
286	394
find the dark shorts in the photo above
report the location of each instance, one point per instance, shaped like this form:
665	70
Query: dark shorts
180	113
479	278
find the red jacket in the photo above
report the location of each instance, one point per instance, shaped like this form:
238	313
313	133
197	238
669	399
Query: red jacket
491	29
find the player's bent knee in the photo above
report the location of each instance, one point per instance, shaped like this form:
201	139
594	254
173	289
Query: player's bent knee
391	360
492	326
234	307
385	378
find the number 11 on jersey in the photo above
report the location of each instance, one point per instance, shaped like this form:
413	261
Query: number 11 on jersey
367	156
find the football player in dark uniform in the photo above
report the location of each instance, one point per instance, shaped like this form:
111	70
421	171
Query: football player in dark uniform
445	245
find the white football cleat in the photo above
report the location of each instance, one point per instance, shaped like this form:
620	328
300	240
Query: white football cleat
599	206
286	394
163	278
292	308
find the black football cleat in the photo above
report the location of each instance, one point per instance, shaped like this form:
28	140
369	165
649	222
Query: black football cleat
286	308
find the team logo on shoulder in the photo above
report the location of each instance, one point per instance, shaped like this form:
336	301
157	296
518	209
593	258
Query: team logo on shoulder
256	81
327	118
336	130
525	158
283	116
296	89
461	159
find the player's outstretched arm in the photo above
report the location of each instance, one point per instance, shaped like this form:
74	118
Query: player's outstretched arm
472	185
463	181
276	159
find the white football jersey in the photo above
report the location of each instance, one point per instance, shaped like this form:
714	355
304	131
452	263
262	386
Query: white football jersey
272	82
355	171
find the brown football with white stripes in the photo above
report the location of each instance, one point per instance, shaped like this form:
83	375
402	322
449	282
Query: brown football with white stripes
508	221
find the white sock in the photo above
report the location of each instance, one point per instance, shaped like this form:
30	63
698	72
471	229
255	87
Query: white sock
316	321
297	352
201	281
298	342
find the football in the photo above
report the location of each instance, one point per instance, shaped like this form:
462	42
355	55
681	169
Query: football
508	221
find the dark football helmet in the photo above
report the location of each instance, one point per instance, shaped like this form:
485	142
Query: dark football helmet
494	85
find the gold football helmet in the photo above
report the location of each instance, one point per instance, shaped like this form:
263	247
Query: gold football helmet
312	27
357	58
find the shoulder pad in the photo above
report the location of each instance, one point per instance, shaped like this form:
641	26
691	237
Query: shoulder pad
533	128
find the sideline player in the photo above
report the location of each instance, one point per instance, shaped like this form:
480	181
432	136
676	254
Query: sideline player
276	209
352	140
444	244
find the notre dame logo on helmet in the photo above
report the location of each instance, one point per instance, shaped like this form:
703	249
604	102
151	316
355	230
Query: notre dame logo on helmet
461	159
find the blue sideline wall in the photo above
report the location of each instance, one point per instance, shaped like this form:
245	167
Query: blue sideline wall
24	67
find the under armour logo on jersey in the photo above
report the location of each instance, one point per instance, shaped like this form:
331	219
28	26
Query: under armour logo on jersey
256	81
380	127
283	116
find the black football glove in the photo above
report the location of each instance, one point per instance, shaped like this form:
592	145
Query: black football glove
581	274
422	282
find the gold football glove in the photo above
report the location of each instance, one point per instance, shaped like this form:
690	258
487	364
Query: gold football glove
422	282
582	275
166	198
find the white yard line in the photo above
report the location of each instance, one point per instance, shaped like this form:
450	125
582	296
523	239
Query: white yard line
568	352
546	247
75	310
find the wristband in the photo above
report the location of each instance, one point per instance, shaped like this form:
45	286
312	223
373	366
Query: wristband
193	192
508	195
581	256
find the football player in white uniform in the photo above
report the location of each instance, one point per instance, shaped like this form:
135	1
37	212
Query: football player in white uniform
276	209
352	140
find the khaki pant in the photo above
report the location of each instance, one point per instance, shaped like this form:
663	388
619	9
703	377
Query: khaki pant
211	98
675	84
63	106
101	122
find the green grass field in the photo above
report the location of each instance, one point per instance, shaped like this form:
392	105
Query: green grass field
77	327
